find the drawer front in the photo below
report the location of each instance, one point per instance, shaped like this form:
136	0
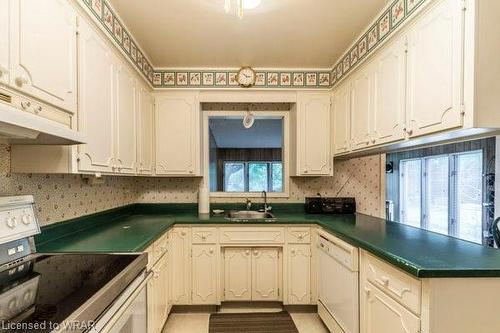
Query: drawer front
204	235
299	235
247	235
399	285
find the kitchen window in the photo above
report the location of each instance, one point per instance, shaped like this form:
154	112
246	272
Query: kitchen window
444	194
253	176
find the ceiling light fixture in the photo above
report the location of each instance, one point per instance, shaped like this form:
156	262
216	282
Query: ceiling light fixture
241	5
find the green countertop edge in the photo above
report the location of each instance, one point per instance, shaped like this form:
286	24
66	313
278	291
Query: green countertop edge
170	212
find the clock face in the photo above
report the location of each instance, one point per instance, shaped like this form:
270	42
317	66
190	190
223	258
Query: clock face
246	77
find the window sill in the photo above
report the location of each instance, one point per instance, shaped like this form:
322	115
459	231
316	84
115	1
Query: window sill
248	195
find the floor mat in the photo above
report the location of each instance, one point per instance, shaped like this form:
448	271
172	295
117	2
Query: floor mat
278	322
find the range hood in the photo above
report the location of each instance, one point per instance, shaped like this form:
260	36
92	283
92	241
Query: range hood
19	127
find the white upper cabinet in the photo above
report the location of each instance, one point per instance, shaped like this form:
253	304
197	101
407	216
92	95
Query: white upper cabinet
341	119
178	134
313	134
4	41
361	105
145	131
43	50
435	51
388	72
125	120
96	102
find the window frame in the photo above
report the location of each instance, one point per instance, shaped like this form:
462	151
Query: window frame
246	176
452	190
284	115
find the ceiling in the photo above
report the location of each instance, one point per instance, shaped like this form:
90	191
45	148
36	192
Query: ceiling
230	133
276	34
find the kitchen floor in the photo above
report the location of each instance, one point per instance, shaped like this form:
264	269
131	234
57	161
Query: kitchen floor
198	323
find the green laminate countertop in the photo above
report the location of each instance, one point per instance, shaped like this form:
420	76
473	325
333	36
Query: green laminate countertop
419	252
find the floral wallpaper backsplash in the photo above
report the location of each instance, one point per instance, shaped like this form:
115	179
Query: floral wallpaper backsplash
359	178
60	197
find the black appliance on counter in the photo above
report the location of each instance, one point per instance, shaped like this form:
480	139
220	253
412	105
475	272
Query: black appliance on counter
330	205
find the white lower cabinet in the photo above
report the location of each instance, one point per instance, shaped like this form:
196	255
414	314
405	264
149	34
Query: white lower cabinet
299	274
158	298
380	313
252	274
266	275
180	242
237	274
204	264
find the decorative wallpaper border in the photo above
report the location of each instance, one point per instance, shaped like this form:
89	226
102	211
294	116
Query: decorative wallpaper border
203	78
119	35
384	26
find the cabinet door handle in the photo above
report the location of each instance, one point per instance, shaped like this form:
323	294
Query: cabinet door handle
293	251
255	252
385	280
247	252
211	251
183	233
409	131
21	81
25	104
367	291
301	236
38	109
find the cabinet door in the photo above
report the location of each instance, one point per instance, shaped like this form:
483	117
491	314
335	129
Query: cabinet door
204	259
43	50
96	101
181	266
299	274
389	93
313	134
237	274
145	133
125	120
4	41
380	313
159	294
361	90
341	119
435	46
177	135
265	275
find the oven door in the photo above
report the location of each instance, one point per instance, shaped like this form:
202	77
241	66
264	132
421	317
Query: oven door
129	313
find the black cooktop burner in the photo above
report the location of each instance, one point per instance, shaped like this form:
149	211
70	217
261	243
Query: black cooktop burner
40	294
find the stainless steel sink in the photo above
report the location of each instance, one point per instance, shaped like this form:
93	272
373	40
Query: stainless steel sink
250	215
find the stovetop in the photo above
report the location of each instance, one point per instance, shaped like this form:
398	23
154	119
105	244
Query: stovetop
41	293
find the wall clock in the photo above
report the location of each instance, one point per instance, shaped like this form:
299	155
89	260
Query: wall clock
246	77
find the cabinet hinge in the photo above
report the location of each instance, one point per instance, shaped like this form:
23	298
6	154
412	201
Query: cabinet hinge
278	291
462	109
464	5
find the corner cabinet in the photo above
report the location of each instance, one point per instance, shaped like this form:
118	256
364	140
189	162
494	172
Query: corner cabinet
312	135
178	140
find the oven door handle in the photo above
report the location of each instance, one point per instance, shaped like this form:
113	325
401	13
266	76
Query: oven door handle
111	323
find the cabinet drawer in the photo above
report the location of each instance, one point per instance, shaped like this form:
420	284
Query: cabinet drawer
298	235
245	235
400	286
204	235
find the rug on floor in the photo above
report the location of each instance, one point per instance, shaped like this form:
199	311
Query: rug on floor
277	322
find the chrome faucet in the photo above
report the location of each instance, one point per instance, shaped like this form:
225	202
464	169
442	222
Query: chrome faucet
249	204
266	207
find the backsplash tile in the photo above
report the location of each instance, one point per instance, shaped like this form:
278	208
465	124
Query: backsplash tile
60	197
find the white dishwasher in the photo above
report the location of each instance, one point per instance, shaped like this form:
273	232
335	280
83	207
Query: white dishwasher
338	284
